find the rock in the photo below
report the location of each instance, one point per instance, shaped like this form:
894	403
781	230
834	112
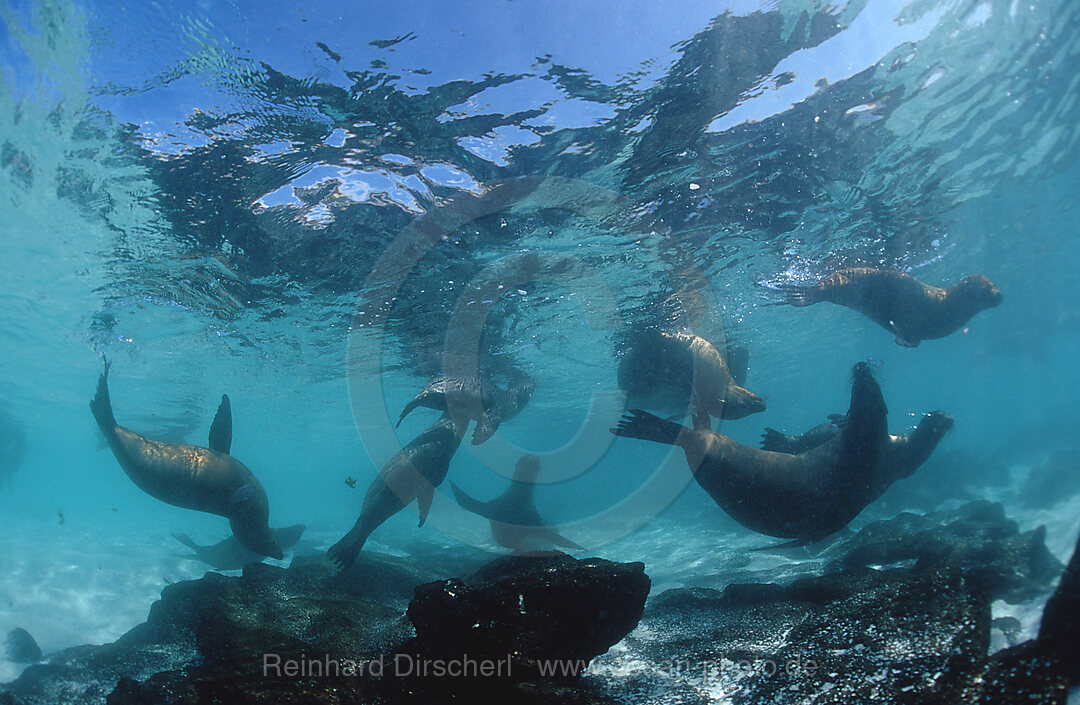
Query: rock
1042	670
208	638
21	647
222	640
522	614
1028	673
1010	629
1060	626
994	555
858	636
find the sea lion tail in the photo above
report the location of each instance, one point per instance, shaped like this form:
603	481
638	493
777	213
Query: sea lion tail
649	427
100	405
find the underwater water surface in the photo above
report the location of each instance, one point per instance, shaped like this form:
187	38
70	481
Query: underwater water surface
317	208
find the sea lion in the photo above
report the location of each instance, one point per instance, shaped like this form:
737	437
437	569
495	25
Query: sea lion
673	371
413	473
515	523
810	495
906	450
900	303
781	442
478	398
205	479
230	554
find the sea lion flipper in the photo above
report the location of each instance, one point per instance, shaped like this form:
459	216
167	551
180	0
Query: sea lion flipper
187	541
905	342
648	427
485	428
427	397
221	428
468	502
776	441
100	405
559	540
407	408
797	295
423	501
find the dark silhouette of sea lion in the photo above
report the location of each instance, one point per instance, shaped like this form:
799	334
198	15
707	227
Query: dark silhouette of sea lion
205	479
670	372
900	303
515	522
478	398
412	474
230	554
810	495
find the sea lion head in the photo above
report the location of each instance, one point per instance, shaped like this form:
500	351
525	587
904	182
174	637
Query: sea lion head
922	441
866	416
256	536
741	402
936	424
979	291
527	468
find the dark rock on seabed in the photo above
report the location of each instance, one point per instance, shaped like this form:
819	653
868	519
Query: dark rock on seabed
527	613
989	548
21	647
205	639
858	636
211	640
917	632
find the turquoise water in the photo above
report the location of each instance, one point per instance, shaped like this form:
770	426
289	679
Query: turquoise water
226	198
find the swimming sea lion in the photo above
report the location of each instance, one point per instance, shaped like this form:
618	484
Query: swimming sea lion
413	473
515	523
899	302
671	371
205	479
810	495
230	554
478	398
